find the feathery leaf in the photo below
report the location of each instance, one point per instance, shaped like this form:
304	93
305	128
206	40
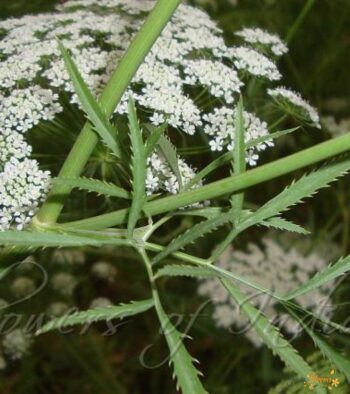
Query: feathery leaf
271	335
283	224
185	372
332	272
170	154
92	108
138	169
192	234
94	185
153	138
97	314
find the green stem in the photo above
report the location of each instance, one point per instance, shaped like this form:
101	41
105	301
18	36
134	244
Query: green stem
113	92
227	185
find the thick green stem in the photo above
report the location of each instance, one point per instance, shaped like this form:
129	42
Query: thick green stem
228	185
110	98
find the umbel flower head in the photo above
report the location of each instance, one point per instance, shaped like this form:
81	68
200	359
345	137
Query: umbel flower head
191	79
280	265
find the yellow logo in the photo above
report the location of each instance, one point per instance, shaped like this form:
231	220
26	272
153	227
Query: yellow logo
330	381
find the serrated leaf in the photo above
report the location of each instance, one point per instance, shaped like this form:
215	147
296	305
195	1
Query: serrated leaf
269	137
283	224
93	110
332	272
271	335
152	140
97	314
185	372
94	185
138	169
239	158
169	152
210	270
33	239
192	234
185	270
226	157
297	191
335	357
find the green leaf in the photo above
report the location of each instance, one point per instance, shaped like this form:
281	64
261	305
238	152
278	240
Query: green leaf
184	370
195	232
33	239
94	185
152	140
335	357
185	270
283	224
207	269
138	169
304	187
330	273
97	314
269	137
92	108
271	335
239	158
226	157
207	212
170	154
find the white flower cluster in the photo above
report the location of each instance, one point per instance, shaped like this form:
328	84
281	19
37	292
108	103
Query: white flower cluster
64	283
16	344
281	265
265	39
104	271
255	63
22	187
300	107
161	177
189	74
220	126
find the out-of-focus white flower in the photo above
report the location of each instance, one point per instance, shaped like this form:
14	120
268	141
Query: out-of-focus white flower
282	264
300	107
68	256
264	38
22	287
101	302
16	344
336	128
64	283
57	309
104	270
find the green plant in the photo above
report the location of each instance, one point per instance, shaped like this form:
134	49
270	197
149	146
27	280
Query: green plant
227	205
